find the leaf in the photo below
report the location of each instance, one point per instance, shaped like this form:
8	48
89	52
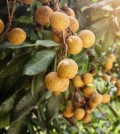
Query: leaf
24	20
39	62
44	43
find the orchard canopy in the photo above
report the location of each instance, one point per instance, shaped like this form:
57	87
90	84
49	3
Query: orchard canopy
59	67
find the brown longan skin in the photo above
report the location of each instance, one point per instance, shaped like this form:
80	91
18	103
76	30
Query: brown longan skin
74	44
68	111
97	98
88	78
87	37
44	1
57	93
69	11
59	21
88	91
112	57
87	118
56	38
79	114
118	92
74	24
105	77
43	14
108	64
27	2
67	68
16	36
55	83
1	26
77	81
106	98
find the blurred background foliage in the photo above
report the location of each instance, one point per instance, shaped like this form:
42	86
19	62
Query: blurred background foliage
24	104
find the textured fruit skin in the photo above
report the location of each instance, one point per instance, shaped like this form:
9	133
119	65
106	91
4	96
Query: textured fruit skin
59	21
43	14
106	98
44	1
79	113
67	68
88	91
1	26
57	93
87	118
27	2
77	81
113	80
112	57
89	111
87	37
55	83
74	44
88	78
68	111
97	98
74	24
105	77
118	84
92	104
108	64
56	38
69	11
118	92
16	36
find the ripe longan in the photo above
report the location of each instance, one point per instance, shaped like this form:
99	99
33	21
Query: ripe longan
88	91
57	93
74	24
87	37
97	98
56	38
79	113
89	111
16	36
74	44
118	84
87	118
105	77
1	26
112	57
44	1
77	81
27	2
108	64
118	92
88	78
106	98
55	83
59	21
113	80
43	14
92	104
68	111
67	68
68	11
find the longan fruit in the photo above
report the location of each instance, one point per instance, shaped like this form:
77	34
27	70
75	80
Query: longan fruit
118	84
97	98
87	118
67	68
89	111
112	57
27	2
55	83
88	78
57	93
113	80
44	1
118	92
16	36
106	98
74	44
77	81
105	77
1	26
43	14
56	38
59	21
87	37
68	11
92	104
88	91
68	111
108	64
79	113
74	24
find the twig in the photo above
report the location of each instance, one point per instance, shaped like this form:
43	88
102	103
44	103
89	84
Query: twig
10	16
115	114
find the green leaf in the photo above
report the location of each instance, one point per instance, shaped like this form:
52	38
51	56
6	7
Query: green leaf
39	62
25	20
44	43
